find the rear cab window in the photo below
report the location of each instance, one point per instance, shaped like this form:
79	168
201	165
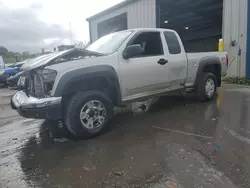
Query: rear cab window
172	42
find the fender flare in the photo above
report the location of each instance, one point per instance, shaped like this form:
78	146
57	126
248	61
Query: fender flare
206	61
73	80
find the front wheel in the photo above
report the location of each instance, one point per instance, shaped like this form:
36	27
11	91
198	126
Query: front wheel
206	87
87	114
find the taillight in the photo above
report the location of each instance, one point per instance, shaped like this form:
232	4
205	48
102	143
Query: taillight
227	60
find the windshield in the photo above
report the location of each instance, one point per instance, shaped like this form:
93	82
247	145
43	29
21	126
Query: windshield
109	43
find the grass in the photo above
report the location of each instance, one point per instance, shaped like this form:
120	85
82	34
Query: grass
236	80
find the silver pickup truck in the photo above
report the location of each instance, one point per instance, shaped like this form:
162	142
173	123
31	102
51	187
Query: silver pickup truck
81	87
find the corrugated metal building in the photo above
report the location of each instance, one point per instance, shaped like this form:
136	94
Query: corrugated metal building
200	24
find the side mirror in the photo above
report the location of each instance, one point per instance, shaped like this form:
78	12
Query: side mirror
132	51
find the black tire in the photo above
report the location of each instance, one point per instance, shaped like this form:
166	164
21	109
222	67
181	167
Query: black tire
72	113
58	129
200	89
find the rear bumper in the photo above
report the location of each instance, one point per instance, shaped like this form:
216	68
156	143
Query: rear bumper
31	107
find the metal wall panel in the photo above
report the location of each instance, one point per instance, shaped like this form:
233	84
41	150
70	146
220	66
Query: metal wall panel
248	43
141	13
243	35
93	23
235	29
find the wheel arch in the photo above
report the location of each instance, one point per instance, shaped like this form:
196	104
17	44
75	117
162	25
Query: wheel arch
209	64
101	77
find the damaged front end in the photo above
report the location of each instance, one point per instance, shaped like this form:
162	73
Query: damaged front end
40	82
35	101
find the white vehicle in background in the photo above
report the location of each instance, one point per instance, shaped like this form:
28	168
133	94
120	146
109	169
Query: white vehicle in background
2	64
118	68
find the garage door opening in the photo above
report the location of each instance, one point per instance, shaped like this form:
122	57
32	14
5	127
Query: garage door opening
199	23
117	23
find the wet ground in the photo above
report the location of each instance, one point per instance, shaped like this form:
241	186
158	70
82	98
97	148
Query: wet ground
179	142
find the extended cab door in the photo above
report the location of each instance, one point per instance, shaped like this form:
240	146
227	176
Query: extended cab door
177	59
147	73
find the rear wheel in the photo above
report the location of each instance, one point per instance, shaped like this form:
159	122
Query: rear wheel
87	114
206	87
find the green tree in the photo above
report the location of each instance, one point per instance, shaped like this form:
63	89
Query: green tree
25	55
3	51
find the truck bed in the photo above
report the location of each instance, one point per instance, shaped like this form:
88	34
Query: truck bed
195	58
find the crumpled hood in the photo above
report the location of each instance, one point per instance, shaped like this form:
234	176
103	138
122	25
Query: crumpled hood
42	60
22	62
68	66
45	59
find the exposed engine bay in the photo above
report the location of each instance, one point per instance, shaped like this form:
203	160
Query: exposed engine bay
39	80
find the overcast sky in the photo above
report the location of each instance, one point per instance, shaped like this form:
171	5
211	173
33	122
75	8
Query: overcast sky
29	25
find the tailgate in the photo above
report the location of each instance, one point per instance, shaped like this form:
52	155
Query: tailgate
224	62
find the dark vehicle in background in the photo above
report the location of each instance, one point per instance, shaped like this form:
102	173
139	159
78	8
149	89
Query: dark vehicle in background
10	71
6	73
12	80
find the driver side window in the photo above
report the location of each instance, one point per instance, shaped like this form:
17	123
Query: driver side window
150	42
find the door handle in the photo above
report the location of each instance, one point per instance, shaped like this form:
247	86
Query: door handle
162	61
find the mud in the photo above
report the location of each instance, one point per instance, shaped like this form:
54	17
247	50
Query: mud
173	142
